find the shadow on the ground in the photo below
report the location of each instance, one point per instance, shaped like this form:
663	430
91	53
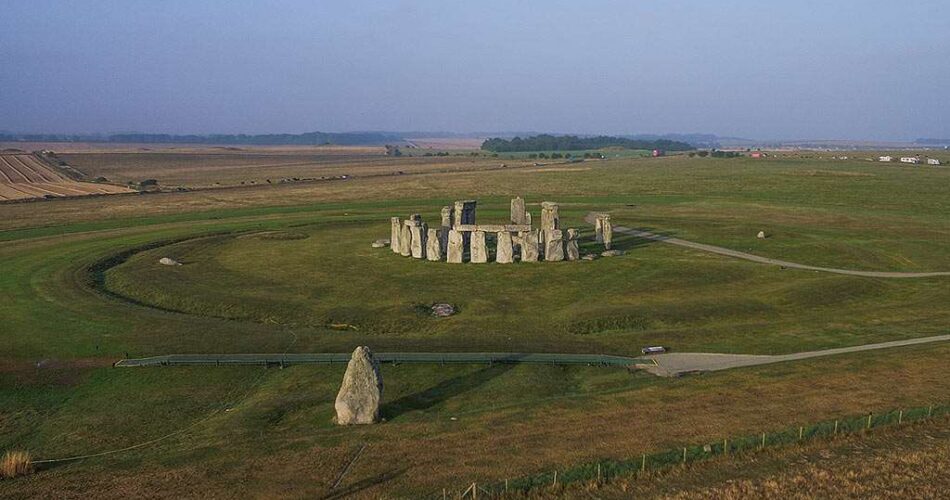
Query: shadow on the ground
622	241
363	484
446	389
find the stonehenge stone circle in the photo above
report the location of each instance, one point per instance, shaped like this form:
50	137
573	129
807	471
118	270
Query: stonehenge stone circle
479	251
456	249
571	249
434	245
361	392
554	246
460	237
504	254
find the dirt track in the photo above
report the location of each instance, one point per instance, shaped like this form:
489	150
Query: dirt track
765	260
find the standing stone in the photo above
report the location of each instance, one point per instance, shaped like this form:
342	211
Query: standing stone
504	253
550	219
608	232
405	240
529	246
518	214
463	212
434	245
362	390
446	216
599	228
479	250
554	246
419	231
395	233
456	249
571	249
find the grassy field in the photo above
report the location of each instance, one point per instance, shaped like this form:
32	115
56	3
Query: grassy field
268	269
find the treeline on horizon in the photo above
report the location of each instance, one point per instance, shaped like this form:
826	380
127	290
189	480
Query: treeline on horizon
306	139
545	142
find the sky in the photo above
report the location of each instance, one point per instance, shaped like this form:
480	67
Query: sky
760	69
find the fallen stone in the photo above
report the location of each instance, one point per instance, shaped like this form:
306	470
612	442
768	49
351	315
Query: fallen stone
504	253
443	310
761	235
479	251
165	261
361	392
612	253
380	243
589	256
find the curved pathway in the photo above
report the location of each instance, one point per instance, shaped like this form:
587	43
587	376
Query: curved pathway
763	260
673	364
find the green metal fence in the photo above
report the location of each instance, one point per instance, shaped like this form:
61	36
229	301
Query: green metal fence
605	469
384	357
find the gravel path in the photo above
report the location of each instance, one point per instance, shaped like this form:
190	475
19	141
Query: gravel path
764	260
673	364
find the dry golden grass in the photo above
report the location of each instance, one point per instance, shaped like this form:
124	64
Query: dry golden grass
15	463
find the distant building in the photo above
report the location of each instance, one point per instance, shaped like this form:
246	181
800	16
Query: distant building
910	159
658	153
933	161
885	158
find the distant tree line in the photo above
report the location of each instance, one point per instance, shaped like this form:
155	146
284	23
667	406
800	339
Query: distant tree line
307	139
547	142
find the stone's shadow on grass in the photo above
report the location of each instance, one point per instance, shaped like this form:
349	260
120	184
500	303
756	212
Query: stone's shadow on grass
625	242
446	389
364	484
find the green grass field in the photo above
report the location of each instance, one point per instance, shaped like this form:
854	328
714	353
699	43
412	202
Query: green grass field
271	269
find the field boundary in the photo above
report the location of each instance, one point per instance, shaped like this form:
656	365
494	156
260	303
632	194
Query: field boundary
603	470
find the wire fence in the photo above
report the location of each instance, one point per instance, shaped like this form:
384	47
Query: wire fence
603	470
391	357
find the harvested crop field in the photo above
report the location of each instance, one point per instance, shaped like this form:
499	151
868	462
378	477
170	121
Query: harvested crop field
24	176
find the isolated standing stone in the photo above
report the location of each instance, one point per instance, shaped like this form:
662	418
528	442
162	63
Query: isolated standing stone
434	245
529	246
479	250
504	253
518	214
405	240
362	390
395	233
419	232
456	248
554	246
571	249
608	230
761	235
599	229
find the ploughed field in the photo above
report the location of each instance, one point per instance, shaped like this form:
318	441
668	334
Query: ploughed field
24	176
249	166
290	269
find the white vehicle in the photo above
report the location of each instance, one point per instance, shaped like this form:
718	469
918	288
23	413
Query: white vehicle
656	349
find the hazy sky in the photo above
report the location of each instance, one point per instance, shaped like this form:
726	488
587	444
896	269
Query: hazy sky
765	69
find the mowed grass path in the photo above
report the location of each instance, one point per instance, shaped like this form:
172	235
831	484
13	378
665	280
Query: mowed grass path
239	292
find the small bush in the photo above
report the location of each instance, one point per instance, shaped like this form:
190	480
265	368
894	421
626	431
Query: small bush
16	463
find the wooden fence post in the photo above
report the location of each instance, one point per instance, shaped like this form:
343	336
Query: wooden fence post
869	420
598	473
930	411
643	463
555	478
836	427
801	432
725	446
900	416
763	440
684	454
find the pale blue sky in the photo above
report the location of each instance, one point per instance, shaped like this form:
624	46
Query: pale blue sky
799	69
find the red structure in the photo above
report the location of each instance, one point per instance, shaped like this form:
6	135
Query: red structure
757	154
